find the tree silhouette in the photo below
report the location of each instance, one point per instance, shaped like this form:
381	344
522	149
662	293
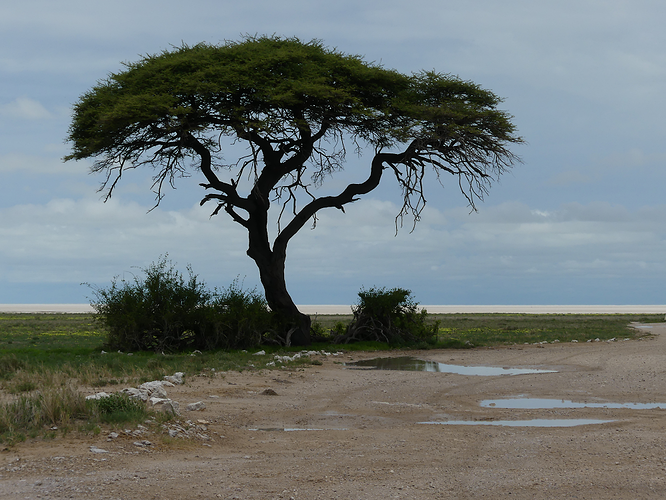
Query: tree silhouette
295	107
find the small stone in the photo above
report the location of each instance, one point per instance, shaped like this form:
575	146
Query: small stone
260	353
269	392
176	378
198	406
112	435
98	395
95	449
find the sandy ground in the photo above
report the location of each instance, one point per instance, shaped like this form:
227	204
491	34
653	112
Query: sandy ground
370	444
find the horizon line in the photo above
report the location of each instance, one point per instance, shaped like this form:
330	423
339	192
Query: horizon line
324	309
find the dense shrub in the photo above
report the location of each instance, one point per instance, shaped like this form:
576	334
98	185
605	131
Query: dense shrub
389	315
164	311
235	319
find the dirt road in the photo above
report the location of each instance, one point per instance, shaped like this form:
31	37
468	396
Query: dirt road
360	435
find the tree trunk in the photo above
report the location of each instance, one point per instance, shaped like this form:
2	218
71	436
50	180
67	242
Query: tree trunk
295	325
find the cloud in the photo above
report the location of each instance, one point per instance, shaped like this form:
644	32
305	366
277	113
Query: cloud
67	241
25	108
33	164
87	240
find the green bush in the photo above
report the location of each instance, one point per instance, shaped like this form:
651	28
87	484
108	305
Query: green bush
235	319
164	311
391	316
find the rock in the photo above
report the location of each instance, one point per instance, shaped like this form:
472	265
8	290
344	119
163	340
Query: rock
95	449
99	395
112	435
269	392
143	443
166	405
154	389
133	392
198	406
176	378
260	353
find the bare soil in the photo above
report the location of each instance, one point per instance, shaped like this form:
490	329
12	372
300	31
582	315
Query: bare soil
363	440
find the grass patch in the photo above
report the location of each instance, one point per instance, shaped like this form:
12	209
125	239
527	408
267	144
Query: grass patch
117	409
468	330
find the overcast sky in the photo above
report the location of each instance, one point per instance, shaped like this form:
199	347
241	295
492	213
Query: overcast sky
581	221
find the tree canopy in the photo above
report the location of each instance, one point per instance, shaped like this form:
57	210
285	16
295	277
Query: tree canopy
295	106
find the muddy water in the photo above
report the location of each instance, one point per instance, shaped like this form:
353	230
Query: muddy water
408	363
547	404
536	422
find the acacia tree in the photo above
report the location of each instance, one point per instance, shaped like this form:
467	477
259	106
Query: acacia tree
294	106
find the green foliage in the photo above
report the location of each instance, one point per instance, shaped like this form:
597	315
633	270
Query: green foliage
389	315
269	85
118	408
236	319
163	311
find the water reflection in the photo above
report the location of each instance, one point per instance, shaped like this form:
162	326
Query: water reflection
546	404
409	363
536	422
283	429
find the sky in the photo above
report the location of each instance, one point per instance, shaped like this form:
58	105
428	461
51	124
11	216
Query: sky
581	221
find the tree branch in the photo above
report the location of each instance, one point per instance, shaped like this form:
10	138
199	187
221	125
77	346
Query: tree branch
230	195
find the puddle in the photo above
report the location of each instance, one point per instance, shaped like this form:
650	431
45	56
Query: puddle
408	363
537	422
546	404
283	429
